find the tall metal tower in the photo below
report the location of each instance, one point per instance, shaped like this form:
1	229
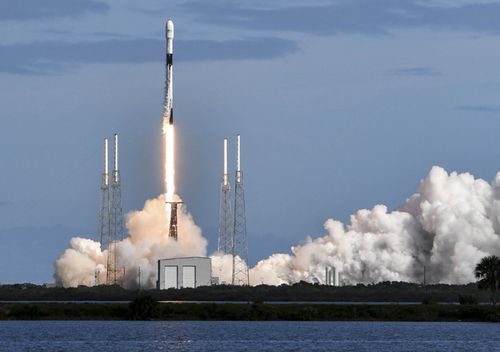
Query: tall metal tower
115	221
172	229
239	245
104	223
225	238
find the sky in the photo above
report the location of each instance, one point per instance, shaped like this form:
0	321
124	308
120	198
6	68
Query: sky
341	105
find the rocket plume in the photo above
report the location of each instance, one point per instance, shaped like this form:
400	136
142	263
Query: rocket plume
168	133
448	225
147	241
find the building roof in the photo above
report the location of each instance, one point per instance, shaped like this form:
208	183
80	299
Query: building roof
177	258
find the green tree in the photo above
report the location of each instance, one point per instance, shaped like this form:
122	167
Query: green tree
488	274
143	307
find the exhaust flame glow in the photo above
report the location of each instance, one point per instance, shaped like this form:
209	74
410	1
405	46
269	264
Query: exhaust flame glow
168	132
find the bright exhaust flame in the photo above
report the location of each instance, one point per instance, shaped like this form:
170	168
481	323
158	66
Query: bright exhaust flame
168	132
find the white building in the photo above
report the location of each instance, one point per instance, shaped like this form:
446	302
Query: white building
184	272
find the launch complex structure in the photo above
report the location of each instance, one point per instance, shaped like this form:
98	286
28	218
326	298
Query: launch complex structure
232	237
111	216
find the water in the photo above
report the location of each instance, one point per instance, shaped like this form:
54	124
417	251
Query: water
126	336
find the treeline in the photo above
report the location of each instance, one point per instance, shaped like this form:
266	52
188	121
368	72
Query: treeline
303	292
252	311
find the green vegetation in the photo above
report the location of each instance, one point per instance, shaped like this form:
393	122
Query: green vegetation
466	299
248	311
63	311
488	273
380	292
143	307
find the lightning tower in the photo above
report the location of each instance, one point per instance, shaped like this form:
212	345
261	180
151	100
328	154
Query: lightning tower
224	244
239	242
113	273
104	210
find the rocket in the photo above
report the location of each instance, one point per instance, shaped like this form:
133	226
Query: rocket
168	132
168	112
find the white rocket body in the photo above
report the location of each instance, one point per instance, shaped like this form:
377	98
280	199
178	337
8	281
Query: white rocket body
168	116
168	112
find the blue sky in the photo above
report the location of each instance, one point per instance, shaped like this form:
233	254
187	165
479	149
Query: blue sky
341	105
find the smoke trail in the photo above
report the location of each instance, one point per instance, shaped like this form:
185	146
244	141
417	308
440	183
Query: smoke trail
448	225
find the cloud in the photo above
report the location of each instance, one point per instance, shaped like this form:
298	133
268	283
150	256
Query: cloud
52	56
351	16
417	71
478	108
48	9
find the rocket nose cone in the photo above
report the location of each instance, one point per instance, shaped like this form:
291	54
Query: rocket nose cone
170	29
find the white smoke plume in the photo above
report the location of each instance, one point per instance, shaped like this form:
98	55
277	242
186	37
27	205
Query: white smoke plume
79	263
222	267
147	242
448	225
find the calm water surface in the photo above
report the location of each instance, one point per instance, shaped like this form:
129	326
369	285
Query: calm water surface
127	336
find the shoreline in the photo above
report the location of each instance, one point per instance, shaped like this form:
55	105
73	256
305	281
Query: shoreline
252	312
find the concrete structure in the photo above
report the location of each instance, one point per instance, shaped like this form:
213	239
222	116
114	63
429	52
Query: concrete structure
184	272
331	276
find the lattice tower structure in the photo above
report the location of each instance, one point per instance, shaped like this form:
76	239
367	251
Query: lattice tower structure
240	274
225	237
104	207
116	233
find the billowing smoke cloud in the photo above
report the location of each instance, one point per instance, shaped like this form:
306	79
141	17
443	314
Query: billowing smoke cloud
222	267
79	263
147	242
447	226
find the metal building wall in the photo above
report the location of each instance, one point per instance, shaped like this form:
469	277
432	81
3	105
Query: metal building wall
202	271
